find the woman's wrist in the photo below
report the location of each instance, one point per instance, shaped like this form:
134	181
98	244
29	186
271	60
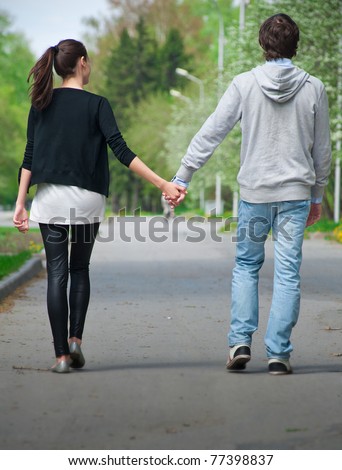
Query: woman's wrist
162	184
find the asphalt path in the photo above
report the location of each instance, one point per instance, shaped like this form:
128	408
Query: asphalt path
155	345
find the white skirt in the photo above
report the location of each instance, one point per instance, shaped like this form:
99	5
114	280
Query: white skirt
66	205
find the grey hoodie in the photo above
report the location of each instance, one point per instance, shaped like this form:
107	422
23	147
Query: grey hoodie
285	149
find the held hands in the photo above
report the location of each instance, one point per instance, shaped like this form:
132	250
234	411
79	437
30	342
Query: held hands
173	193
20	219
314	214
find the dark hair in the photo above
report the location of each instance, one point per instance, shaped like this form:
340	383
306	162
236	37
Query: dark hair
63	57
279	36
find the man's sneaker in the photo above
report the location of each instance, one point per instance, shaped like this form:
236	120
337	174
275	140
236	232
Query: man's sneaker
238	357
279	366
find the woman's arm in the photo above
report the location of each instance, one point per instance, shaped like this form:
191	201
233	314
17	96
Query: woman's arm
126	156
171	190
20	217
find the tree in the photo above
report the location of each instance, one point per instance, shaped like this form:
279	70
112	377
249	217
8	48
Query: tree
138	68
120	75
133	70
146	66
195	23
128	12
172	55
147	134
194	19
132	74
15	61
185	121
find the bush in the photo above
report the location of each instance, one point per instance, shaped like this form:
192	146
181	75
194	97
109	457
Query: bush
337	233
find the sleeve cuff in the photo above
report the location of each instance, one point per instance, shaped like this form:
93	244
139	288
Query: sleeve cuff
179	181
316	200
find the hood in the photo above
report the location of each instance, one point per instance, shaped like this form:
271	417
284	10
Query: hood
278	83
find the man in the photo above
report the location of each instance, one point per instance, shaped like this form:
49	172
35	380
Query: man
284	165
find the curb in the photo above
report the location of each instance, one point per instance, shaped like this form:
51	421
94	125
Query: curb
32	267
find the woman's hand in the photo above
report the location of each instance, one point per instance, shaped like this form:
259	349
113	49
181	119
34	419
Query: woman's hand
20	219
173	193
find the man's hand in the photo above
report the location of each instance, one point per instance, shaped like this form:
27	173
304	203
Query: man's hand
172	193
314	214
176	201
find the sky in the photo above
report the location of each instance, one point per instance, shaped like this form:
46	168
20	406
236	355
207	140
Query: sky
45	22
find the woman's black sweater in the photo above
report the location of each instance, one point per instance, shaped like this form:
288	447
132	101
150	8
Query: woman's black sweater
67	141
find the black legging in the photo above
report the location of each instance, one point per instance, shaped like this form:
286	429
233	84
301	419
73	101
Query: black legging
56	243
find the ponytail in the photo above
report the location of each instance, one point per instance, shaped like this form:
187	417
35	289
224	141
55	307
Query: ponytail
42	86
64	58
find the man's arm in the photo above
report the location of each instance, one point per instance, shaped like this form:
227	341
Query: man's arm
211	134
321	150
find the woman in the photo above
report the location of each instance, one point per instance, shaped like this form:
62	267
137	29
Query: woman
66	156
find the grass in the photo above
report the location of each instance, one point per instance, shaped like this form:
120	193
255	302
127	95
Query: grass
329	229
13	242
16	248
11	263
323	226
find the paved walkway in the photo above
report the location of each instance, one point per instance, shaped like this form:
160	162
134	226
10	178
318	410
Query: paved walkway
155	345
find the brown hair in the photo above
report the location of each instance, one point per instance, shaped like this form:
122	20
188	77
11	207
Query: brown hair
63	57
279	36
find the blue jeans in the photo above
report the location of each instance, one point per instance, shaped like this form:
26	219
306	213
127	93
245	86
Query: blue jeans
287	221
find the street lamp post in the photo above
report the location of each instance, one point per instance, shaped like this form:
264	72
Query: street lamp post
242	17
243	4
337	191
177	94
220	67
221	41
186	74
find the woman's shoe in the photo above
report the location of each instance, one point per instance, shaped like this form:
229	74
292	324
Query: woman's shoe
77	358
61	367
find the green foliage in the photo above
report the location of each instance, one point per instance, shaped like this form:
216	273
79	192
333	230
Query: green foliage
15	62
146	137
319	54
120	75
139	74
172	55
135	54
206	46
13	242
319	51
11	263
139	66
16	248
337	233
323	225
